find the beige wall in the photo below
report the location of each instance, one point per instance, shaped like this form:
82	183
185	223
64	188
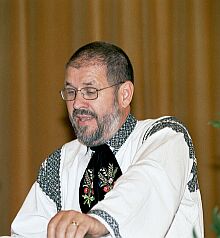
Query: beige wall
173	44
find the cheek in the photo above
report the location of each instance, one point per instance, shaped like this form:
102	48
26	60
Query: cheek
69	106
104	108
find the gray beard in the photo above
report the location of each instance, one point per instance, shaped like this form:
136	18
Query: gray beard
106	127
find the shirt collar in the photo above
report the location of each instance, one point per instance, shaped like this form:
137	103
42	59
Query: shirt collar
122	134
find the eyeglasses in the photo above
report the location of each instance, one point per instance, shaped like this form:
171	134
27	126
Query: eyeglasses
88	93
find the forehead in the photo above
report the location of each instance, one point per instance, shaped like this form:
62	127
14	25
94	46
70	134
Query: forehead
86	75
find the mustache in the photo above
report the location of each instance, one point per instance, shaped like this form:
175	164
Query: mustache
77	112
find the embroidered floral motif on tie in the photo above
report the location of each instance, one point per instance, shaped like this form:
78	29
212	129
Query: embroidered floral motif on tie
88	190
106	182
99	177
107	177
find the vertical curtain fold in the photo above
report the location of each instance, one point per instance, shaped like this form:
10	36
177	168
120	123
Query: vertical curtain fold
19	106
201	98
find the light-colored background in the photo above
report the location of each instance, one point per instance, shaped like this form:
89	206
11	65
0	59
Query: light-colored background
175	49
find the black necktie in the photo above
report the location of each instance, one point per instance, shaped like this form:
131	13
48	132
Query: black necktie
99	177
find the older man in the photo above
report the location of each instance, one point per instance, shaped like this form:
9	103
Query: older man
121	177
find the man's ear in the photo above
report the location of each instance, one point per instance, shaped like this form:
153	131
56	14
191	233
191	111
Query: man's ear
125	93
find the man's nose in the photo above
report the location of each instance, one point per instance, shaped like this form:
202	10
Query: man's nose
79	101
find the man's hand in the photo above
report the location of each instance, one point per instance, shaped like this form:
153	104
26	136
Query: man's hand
72	224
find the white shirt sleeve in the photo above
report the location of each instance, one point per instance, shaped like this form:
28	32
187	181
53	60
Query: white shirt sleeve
34	215
146	198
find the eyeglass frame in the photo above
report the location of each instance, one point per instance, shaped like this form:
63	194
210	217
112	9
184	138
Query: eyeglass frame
79	90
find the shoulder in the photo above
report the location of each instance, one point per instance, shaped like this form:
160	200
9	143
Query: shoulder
155	132
166	127
61	155
49	173
161	129
165	124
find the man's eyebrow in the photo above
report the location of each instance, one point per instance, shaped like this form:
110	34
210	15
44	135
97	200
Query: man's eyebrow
68	84
89	83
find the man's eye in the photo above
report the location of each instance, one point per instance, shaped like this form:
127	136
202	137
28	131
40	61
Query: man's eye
70	92
90	91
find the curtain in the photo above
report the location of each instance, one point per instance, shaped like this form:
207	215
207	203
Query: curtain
173	45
